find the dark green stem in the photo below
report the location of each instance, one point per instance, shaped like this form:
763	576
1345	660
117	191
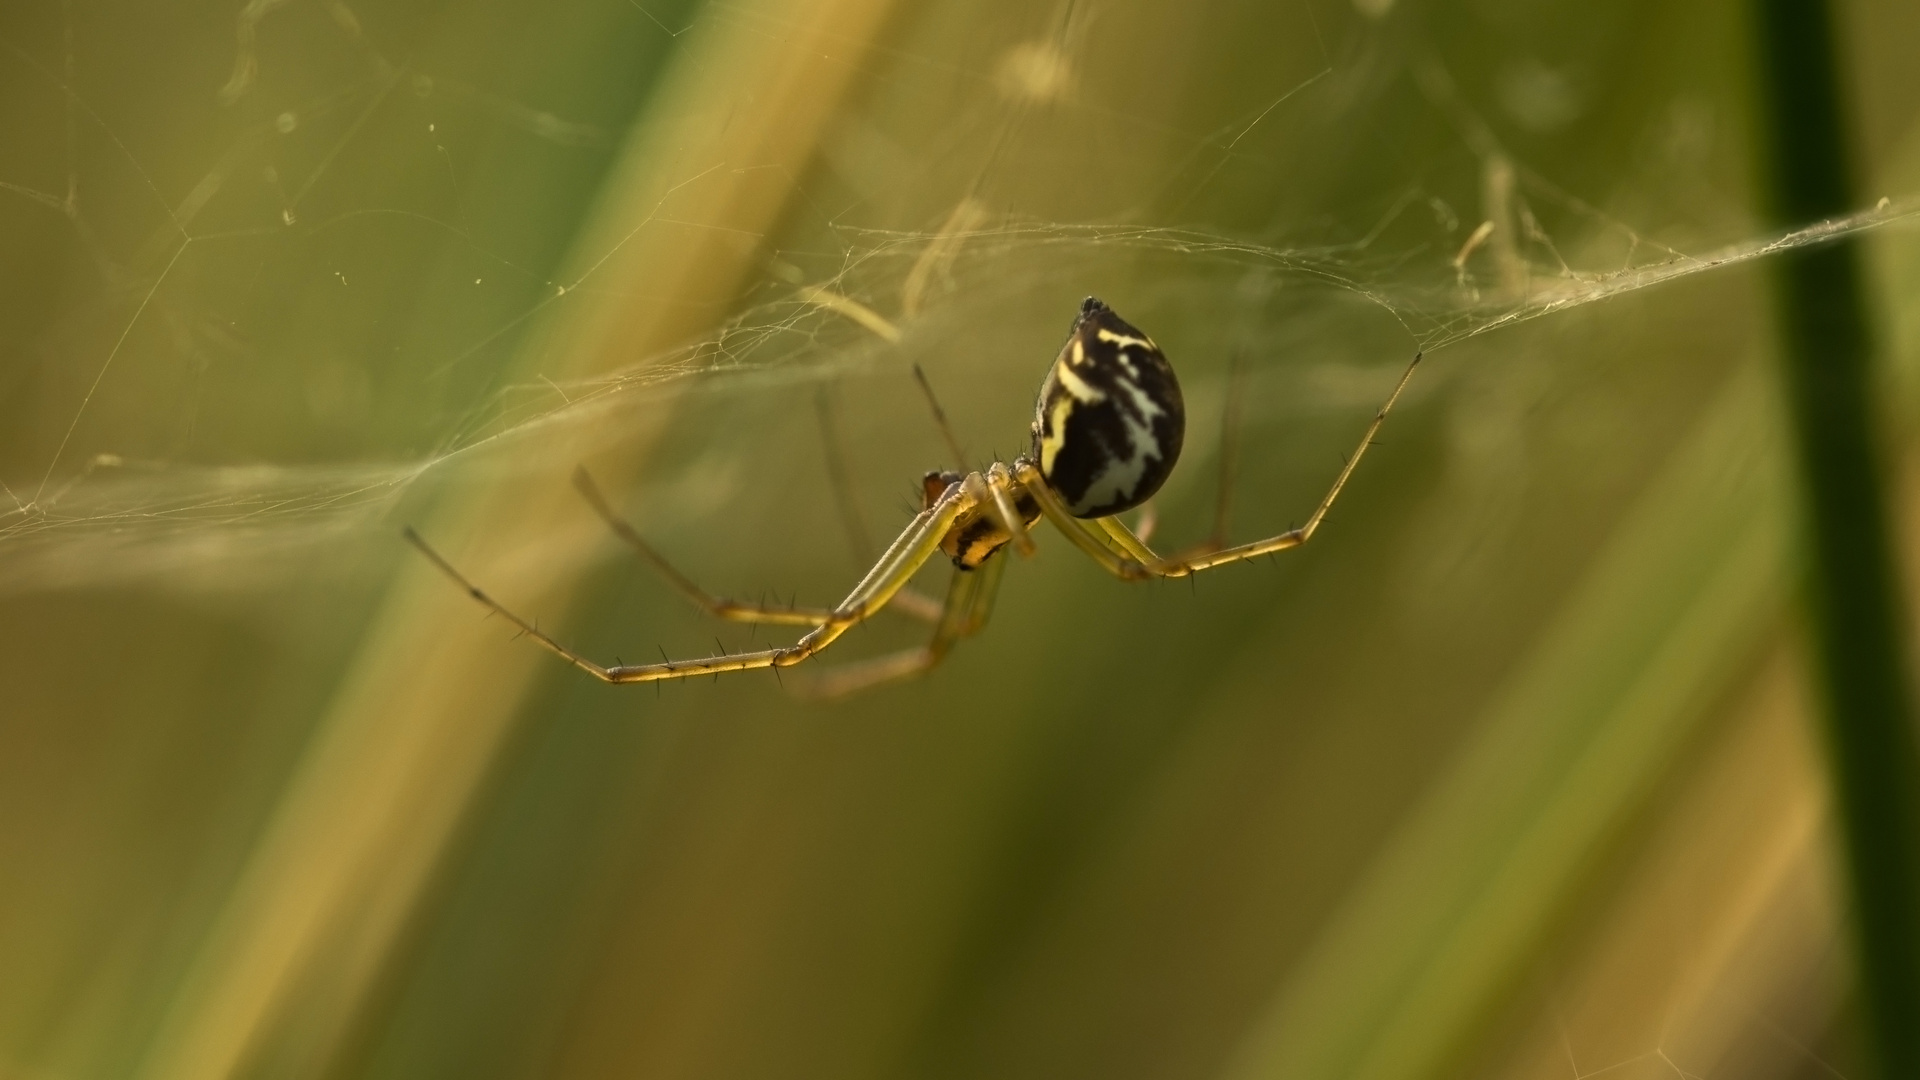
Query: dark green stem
1855	599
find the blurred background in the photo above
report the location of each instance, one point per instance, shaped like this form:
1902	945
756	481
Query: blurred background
1508	774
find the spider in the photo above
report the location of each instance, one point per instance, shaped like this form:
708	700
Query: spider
1107	429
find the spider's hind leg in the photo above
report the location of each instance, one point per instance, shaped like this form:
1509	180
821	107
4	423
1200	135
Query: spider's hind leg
1110	543
1295	537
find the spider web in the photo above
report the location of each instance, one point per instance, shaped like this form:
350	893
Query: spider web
269	331
86	503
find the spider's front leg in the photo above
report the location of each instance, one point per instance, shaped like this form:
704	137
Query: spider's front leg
722	607
908	553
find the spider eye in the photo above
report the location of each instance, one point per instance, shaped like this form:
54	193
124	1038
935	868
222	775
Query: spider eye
1109	422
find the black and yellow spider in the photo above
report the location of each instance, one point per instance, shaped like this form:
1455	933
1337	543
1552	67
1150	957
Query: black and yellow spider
1107	430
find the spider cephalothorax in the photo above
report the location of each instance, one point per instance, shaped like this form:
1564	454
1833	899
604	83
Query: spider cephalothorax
1109	422
984	529
1106	432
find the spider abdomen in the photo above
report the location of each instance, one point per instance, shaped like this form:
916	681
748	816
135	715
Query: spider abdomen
1109	422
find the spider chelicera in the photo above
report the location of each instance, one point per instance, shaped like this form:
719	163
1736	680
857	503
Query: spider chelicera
1107	429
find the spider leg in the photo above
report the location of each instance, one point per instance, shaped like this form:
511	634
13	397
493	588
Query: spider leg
981	489
526	627
720	606
909	602
915	545
969	603
1146	522
1124	539
1135	545
1094	542
1110	543
1293	538
839	477
1000	480
1229	445
908	553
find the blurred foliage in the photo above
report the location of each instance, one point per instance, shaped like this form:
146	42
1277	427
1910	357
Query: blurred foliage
1507	774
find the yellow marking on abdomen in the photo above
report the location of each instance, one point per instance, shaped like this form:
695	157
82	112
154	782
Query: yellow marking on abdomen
1077	386
1050	445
